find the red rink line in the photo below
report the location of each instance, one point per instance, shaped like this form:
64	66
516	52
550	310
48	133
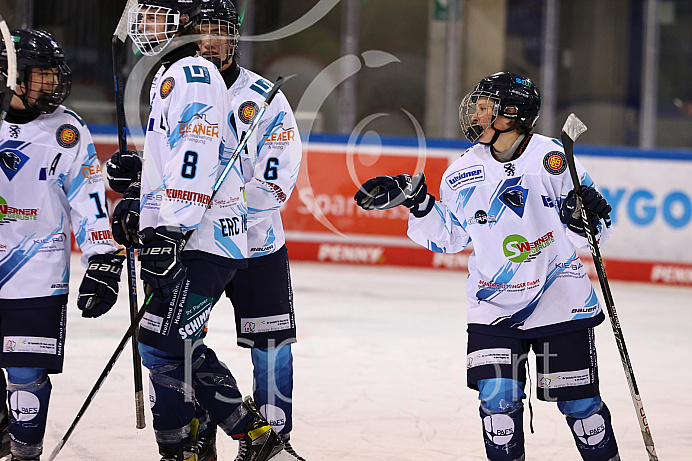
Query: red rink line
392	255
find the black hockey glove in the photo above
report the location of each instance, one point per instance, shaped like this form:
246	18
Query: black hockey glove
99	289
126	217
162	268
596	205
384	192
122	169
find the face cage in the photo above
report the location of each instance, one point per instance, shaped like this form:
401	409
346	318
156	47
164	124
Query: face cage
54	88
216	53
152	43
469	108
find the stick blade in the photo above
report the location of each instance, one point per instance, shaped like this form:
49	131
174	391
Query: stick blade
121	29
573	127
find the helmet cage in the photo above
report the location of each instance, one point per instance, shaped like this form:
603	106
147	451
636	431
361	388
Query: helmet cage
45	88
44	80
469	109
144	22
220	39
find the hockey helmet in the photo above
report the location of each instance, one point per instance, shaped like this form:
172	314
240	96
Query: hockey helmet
42	71
511	95
219	18
152	24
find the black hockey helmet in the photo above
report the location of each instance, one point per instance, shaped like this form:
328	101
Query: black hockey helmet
219	16
165	13
515	97
36	49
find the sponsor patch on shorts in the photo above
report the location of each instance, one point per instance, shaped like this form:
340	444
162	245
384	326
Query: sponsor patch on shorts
266	324
30	344
564	379
496	356
151	322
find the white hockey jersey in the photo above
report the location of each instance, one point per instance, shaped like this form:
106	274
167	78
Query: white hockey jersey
185	153
50	178
525	277
271	160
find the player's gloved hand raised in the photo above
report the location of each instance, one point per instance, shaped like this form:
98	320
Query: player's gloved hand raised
122	169
125	223
162	268
99	289
596	205
384	192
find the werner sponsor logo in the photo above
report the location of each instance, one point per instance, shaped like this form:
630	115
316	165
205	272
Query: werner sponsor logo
465	176
350	254
16	214
188	196
266	324
517	249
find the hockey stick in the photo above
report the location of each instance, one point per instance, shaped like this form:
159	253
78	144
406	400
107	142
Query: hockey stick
118	43
570	132
135	323
10	82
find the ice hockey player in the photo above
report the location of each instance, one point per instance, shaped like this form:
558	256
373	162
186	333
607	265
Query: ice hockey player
270	168
512	196
183	156
51	179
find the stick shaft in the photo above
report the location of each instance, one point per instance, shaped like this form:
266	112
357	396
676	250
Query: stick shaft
568	144
117	46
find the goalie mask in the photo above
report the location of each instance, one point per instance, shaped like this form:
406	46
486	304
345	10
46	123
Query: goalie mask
44	79
509	95
218	24
152	24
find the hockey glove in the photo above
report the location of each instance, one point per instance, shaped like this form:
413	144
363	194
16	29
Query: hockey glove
126	217
162	268
384	192
596	205
99	289
122	169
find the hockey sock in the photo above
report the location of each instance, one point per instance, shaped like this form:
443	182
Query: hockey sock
273	385
29	393
503	433
217	391
171	398
594	435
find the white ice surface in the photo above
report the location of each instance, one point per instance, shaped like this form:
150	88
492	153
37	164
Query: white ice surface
380	373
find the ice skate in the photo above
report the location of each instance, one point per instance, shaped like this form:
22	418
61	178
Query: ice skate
258	441
184	453
286	439
205	447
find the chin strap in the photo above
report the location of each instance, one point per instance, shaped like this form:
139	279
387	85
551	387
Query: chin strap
499	132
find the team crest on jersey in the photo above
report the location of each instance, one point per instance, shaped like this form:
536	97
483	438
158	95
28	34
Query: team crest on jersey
11	157
166	87
67	135
247	111
555	162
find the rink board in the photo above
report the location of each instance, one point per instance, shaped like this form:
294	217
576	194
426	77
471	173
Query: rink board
650	192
